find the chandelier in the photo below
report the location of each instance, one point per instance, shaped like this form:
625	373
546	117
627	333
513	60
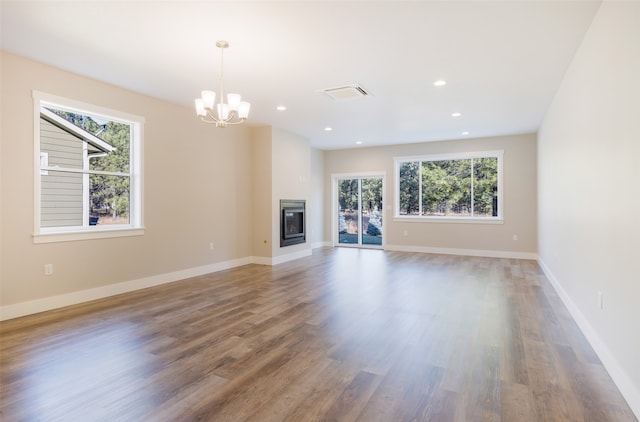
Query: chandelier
232	112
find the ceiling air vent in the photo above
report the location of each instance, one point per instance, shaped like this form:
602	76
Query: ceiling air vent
346	92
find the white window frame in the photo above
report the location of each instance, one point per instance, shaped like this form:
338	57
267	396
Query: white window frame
84	232
398	161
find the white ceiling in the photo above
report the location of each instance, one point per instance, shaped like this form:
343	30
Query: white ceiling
503	60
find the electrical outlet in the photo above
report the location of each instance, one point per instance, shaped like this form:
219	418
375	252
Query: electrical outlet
515	237
211	246
48	269
406	232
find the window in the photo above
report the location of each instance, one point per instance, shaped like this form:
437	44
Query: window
450	187
88	181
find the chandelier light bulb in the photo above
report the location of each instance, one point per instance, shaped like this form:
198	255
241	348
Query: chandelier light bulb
200	110
234	101
208	99
243	109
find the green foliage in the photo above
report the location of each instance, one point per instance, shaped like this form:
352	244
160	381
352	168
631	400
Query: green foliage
111	193
485	186
409	188
371	194
348	194
447	187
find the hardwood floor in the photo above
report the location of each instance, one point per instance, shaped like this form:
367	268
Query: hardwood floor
343	335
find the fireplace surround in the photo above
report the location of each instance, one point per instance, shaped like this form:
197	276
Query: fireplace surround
292	222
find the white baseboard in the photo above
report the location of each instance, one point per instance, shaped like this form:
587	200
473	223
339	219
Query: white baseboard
290	257
262	260
619	376
321	244
54	302
48	303
463	252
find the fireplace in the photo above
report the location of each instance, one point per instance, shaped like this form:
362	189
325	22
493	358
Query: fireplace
292	222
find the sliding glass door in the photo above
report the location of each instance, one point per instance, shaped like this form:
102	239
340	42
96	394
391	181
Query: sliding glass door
359	219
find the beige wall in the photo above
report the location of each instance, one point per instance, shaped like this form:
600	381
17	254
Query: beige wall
589	196
281	170
316	202
197	190
495	239
291	179
261	188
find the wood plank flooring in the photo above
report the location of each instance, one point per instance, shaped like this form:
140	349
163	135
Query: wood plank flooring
343	335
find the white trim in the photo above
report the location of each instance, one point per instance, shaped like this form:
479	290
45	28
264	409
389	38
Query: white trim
628	390
263	260
446	219
321	244
76	106
37	172
54	302
136	183
86	185
452	156
359	175
260	260
81	233
46	304
463	252
82	171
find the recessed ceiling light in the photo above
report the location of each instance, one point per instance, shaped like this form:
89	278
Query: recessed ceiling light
465	133
281	108
456	114
358	142
328	129
440	82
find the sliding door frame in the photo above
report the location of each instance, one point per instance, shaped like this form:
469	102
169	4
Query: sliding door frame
334	207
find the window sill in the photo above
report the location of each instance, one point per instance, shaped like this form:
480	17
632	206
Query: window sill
86	234
454	220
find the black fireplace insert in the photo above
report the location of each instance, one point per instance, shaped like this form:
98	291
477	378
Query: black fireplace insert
292	222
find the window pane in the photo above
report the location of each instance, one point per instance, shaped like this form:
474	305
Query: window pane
348	211
409	188
109	199
61	199
116	135
371	217
446	188
104	142
485	187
